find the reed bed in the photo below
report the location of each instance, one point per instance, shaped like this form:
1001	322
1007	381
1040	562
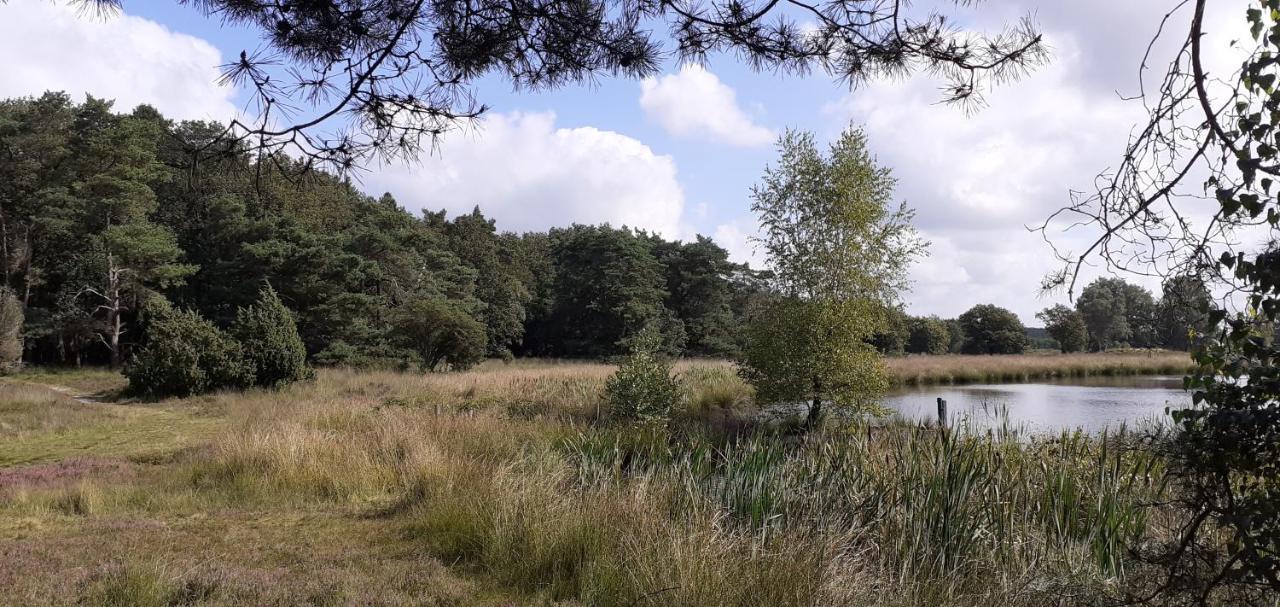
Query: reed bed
967	369
941	517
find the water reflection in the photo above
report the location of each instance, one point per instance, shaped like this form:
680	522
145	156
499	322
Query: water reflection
1090	404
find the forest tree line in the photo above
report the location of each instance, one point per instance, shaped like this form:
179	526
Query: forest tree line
100	211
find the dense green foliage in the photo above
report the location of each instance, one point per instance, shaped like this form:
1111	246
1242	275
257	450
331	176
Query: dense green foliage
99	211
185	354
1115	313
642	388
272	348
894	333
991	329
1182	313
1118	313
928	335
956	333
795	350
439	334
1066	326
503	298
698	293
839	248
607	286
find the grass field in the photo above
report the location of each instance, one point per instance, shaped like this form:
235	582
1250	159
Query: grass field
508	486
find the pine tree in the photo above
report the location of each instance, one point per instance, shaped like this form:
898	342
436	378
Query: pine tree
474	239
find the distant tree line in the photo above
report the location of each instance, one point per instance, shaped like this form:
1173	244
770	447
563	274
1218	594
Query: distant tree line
1113	313
102	212
1110	313
983	329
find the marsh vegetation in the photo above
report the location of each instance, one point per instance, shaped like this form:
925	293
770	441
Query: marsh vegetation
516	484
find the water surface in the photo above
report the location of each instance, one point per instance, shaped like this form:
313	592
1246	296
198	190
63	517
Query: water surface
1090	404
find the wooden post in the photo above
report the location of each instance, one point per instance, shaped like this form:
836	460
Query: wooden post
942	412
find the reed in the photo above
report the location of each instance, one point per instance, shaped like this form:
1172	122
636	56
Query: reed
946	514
964	369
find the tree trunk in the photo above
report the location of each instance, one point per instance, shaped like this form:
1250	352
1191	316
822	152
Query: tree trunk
114	308
115	338
26	274
4	243
815	413
815	407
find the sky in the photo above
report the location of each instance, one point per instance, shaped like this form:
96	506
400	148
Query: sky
678	153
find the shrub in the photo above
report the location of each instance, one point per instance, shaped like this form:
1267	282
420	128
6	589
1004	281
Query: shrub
272	348
642	388
11	319
185	354
444	335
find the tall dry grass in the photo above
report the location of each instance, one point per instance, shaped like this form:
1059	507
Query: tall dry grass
26	409
961	369
568	509
516	475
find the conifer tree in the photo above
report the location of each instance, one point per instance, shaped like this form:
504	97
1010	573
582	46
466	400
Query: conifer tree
269	337
185	354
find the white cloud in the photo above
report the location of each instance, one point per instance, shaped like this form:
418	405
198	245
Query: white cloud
977	181
530	175
694	103
736	236
50	46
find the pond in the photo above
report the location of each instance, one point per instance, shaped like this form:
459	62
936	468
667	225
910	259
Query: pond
1090	404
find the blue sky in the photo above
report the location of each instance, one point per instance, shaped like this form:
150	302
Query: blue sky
705	167
678	154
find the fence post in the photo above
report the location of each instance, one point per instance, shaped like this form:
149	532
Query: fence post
942	412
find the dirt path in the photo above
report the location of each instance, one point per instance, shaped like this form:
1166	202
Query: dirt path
67	391
126	429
